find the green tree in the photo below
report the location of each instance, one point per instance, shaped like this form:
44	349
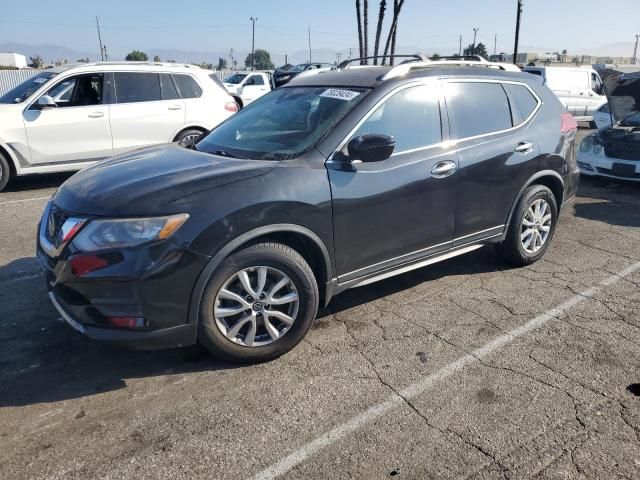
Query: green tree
262	60
157	59
479	49
136	56
36	61
222	63
436	56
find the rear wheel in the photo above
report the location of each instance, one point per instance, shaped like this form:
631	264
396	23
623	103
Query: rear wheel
258	305
5	172
187	137
532	227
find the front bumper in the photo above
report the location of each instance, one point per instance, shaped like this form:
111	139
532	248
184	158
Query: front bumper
151	284
603	166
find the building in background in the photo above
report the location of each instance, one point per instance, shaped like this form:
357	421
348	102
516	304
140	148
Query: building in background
13	60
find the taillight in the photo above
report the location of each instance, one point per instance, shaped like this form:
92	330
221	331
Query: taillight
231	107
568	123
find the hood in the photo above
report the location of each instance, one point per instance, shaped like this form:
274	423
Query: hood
144	181
623	93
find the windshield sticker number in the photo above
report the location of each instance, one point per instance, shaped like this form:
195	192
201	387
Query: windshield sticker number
39	80
346	95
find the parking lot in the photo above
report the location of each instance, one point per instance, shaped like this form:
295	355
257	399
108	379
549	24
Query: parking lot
468	368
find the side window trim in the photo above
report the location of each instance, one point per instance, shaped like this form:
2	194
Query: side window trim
501	82
444	119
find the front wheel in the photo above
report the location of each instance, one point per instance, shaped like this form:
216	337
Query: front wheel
258	304
5	172
532	227
186	138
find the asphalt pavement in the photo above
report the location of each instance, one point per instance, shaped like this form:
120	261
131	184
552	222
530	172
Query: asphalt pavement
466	369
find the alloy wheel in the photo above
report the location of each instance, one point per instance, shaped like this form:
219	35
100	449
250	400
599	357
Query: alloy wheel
256	306
536	226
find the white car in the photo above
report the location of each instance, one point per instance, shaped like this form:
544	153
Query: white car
614	151
247	87
602	116
580	89
65	119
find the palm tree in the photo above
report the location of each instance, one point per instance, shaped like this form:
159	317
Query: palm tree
359	15
383	7
391	38
366	30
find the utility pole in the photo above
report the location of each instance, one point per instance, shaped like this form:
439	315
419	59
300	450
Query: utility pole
100	40
495	45
253	42
350	49
635	51
106	57
309	43
231	59
286	59
475	34
338	57
515	47
460	49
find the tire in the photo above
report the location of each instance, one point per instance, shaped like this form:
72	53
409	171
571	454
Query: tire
593	125
188	136
216	330
239	103
514	249
5	172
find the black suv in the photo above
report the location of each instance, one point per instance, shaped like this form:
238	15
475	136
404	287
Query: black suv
335	181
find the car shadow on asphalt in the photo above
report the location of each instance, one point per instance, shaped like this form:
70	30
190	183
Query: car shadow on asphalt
484	260
43	360
619	202
37	182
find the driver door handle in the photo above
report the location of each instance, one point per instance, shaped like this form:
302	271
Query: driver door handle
96	115
175	107
524	147
443	169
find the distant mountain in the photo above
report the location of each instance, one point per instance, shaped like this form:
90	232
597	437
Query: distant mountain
624	49
49	53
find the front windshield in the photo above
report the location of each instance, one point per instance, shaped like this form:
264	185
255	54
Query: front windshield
236	79
23	91
299	68
283	124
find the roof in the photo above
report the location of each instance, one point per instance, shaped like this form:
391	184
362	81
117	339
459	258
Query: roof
124	65
372	76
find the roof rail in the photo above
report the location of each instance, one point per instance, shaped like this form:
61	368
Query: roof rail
471	58
411	58
405	68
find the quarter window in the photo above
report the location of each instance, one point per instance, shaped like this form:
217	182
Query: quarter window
525	102
169	91
411	117
137	87
187	86
478	108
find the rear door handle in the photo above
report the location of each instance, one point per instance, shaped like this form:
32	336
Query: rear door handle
96	114
524	147
175	107
443	169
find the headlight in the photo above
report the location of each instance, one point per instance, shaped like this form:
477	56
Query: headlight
597	149
129	232
587	144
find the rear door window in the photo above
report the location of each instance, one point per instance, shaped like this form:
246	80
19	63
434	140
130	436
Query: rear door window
524	102
134	87
478	108
187	86
411	117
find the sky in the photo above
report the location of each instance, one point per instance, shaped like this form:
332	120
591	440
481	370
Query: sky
281	27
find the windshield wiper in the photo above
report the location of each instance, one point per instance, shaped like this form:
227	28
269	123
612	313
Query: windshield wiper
224	153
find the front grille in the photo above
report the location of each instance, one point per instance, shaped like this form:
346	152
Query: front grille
56	220
623	151
619	173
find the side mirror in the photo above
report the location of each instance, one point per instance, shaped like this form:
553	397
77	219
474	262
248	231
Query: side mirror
371	147
45	101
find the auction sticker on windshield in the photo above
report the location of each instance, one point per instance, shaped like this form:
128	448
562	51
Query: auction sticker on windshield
345	95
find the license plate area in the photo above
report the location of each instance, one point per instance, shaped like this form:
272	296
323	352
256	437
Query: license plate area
623	170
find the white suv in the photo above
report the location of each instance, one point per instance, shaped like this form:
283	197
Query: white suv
68	118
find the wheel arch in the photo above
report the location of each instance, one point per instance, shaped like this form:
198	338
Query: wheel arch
548	178
300	238
5	151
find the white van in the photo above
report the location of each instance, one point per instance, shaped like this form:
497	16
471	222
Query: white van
578	88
